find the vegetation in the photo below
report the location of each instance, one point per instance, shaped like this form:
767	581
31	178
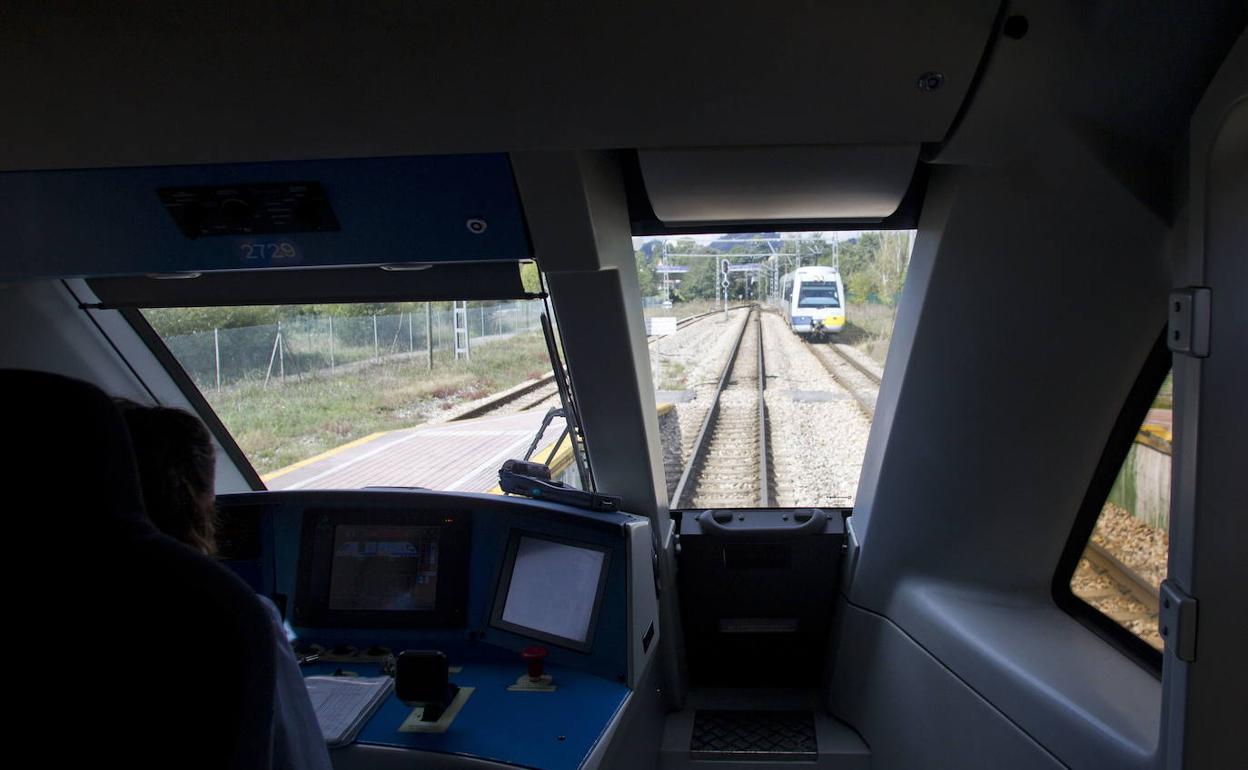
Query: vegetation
176	321
869	327
285	422
873	265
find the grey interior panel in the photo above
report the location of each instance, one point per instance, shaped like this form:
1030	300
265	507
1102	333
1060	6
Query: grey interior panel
777	184
399	78
914	712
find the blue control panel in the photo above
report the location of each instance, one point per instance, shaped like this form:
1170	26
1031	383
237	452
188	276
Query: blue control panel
554	730
531	729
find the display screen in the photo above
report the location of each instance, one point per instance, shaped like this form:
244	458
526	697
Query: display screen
553	591
384	568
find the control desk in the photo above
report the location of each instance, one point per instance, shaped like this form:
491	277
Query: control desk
479	578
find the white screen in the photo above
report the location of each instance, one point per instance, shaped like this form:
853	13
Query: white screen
553	587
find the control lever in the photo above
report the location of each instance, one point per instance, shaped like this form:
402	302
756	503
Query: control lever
422	676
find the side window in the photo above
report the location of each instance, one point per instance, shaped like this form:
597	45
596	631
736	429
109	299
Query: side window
1121	560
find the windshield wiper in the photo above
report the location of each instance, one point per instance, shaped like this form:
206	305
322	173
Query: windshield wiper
572	414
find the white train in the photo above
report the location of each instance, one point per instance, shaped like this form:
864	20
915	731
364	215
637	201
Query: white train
813	299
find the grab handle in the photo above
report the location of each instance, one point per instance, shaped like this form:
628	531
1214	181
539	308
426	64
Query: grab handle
710	525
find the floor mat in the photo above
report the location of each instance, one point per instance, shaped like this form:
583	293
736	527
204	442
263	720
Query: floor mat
759	735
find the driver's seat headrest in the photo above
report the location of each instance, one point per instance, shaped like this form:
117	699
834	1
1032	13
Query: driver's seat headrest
71	444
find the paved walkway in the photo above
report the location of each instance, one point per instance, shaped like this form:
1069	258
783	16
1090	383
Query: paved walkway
459	456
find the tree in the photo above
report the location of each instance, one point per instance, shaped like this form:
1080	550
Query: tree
530	278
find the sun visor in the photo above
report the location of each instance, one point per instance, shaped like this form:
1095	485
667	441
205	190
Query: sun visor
860	183
243	216
388	283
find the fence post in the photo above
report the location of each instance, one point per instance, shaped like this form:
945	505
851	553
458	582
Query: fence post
331	343
376	349
216	353
281	352
411	344
429	334
272	355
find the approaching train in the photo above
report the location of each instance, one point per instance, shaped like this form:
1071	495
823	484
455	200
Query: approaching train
813	300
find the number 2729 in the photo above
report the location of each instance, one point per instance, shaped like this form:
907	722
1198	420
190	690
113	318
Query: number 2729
277	250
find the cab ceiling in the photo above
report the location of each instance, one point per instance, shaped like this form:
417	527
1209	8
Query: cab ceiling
96	84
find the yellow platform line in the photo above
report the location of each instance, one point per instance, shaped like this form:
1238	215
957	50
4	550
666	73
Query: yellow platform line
328	453
1156	436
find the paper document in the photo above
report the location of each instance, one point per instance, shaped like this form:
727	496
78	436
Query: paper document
343	704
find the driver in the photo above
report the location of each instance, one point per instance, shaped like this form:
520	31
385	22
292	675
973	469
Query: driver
177	467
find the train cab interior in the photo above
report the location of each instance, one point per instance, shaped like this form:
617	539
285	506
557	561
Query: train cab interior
519	436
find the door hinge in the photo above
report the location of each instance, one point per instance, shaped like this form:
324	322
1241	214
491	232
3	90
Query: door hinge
1176	621
1189	321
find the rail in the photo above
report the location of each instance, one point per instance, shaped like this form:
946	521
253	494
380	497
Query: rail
506	397
698	455
1139	588
764	495
835	367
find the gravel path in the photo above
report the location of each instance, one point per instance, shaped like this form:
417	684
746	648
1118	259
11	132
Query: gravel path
700	350
817	446
728	476
816	432
1141	547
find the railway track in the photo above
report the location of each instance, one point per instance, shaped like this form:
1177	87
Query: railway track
1132	583
728	465
857	380
542	391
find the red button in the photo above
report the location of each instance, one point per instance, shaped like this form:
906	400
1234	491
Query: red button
534	656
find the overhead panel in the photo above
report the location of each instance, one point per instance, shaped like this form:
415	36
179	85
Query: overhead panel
725	185
121	85
173	219
389	283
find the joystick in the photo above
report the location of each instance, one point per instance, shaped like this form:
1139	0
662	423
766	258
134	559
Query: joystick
422	677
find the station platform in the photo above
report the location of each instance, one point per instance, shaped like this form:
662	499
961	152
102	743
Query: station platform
461	456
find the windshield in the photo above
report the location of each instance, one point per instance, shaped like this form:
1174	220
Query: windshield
761	401
818	295
344	396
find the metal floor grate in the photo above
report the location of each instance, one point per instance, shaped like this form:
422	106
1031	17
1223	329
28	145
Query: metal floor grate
758	735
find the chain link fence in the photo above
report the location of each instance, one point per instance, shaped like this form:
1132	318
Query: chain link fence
301	345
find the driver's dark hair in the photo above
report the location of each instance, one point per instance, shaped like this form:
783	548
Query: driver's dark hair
177	469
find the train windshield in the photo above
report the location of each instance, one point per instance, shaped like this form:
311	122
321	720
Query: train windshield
761	403
344	396
818	295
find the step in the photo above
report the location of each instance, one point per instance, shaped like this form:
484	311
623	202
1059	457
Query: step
745	728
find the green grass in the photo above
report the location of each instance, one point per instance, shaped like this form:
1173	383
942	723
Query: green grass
869	327
289	421
671	376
